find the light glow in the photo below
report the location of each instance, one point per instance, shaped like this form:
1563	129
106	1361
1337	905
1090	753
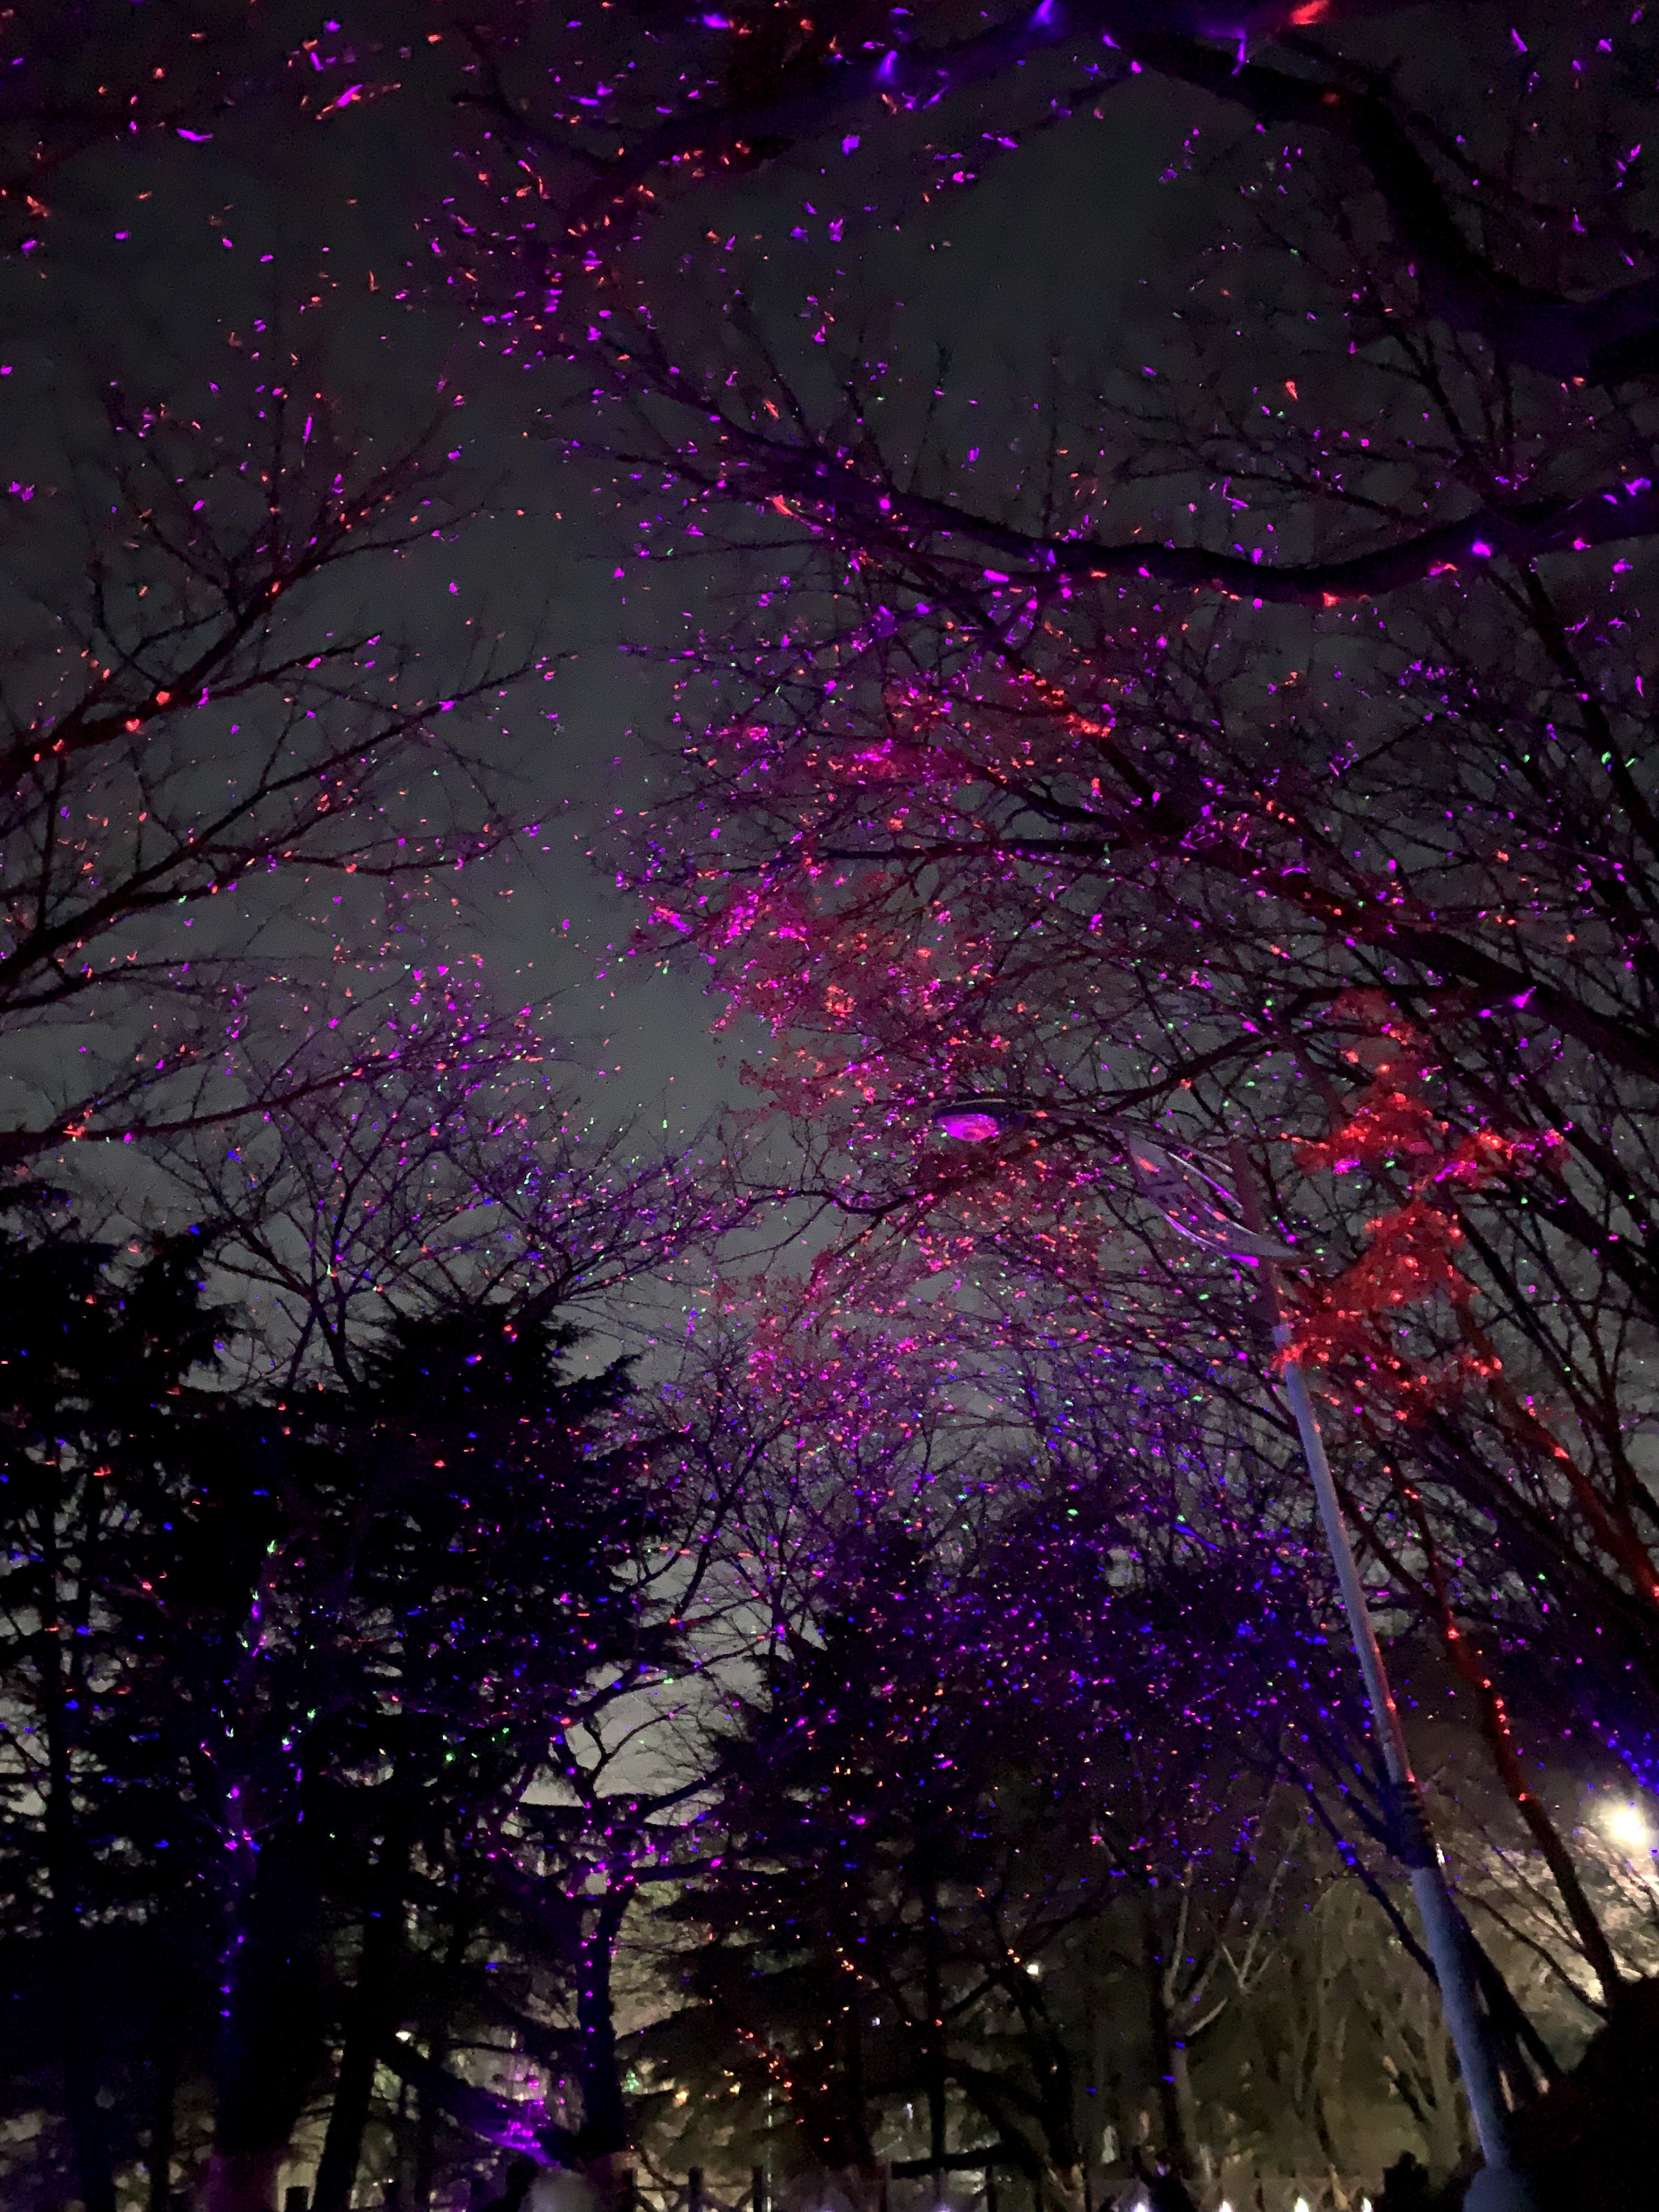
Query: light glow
1628	1828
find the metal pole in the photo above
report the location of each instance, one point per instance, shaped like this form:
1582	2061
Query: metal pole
1499	2186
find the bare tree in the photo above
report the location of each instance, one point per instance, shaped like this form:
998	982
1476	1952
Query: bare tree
225	774
89	74
1249	758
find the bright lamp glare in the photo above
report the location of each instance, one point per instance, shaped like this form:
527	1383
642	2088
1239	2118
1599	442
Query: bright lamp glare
1628	1828
969	1127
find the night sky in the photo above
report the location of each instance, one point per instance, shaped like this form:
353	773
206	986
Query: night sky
158	255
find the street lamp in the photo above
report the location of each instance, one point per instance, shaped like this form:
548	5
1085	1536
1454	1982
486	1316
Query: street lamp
1200	1204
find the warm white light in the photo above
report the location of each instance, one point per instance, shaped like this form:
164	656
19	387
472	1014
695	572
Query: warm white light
1627	1827
1035	1969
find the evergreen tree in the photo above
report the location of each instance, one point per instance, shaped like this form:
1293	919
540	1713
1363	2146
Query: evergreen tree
100	1382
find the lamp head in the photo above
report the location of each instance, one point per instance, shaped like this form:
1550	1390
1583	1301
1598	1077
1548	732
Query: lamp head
1627	1828
969	1124
979	1117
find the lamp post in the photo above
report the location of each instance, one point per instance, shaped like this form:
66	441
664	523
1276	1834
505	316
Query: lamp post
1195	1202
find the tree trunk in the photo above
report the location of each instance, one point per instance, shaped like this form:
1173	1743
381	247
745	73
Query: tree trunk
933	1994
437	2043
426	2148
158	2151
1165	2057
836	2189
1187	2105
271	2044
347	2118
939	2145
854	2151
1500	1743
244	2181
1061	2188
353	2089
611	2176
605	2129
607	2150
88	2129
